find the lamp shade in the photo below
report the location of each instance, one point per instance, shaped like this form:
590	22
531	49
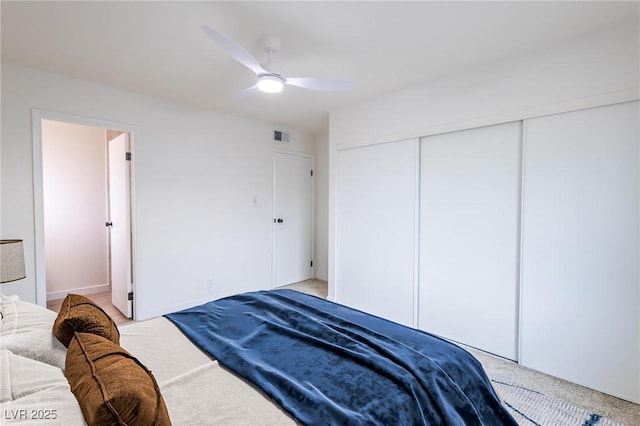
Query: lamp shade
11	261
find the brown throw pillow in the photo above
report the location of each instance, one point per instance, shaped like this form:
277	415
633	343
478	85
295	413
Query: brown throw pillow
80	314
111	386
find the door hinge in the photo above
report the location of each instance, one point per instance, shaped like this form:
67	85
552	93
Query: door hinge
311	172
127	156
311	263
130	296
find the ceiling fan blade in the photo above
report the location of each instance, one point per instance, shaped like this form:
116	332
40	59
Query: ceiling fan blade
246	92
321	84
235	50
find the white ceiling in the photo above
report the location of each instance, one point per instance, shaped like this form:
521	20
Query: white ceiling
159	49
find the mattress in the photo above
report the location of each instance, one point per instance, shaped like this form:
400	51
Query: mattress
196	388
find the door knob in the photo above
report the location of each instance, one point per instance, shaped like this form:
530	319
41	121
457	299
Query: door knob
280	220
108	224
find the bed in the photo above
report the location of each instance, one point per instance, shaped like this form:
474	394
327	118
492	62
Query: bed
196	388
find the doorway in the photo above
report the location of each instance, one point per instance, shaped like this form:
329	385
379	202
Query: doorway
83	211
293	218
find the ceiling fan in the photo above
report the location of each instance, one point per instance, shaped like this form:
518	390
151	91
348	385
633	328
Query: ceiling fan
269	81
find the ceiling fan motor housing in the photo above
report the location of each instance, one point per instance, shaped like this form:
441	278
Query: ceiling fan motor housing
270	44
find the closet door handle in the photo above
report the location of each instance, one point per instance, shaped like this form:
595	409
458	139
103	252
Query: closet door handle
108	224
280	220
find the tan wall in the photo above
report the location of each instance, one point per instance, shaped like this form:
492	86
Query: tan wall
75	208
112	134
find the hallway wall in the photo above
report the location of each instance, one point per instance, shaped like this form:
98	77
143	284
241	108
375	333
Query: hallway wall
75	209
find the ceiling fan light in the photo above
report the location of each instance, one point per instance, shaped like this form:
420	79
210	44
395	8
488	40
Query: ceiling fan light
270	84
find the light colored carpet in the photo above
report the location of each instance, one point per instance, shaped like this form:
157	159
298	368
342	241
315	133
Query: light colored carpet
530	407
313	287
589	400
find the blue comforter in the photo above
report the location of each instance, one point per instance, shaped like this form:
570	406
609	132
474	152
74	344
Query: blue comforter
327	364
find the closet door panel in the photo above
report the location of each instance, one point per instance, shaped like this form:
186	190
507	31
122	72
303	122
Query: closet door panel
580	258
376	229
469	236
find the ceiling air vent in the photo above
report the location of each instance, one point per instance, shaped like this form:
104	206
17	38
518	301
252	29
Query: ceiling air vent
280	136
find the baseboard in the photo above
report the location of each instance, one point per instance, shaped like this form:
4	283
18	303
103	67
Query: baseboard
143	315
92	289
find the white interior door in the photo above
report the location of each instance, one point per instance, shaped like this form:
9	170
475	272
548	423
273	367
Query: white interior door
376	235
469	236
119	219
581	245
292	218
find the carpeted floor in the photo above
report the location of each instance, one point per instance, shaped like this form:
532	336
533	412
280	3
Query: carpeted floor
530	407
536	398
565	394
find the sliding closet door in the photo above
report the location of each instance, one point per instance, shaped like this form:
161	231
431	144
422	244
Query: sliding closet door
581	248
469	236
376	231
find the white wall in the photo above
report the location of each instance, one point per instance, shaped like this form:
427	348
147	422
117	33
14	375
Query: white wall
535	83
196	173
75	207
593	70
321	178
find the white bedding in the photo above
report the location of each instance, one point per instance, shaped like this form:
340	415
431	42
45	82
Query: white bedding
196	389
33	388
35	393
